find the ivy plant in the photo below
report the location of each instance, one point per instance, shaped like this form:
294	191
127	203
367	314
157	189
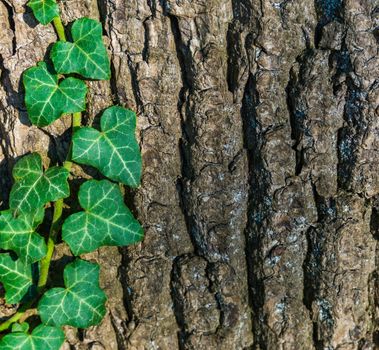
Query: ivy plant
52	89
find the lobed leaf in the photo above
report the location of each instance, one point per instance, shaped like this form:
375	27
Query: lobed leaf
34	188
47	99
18	234
114	151
42	338
16	278
81	304
44	10
106	220
86	55
20	327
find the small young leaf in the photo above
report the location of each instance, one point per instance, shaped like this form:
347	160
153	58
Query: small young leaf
87	55
33	188
47	99
18	234
20	327
114	151
81	304
106	220
16	278
44	10
42	338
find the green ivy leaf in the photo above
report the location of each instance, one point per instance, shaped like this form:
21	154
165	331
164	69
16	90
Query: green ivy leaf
106	220
81	304
42	338
47	99
18	234
44	10
20	327
16	278
87	54
34	188
114	151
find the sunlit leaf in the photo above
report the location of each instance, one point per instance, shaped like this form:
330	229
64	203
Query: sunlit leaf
16	278
33	187
114	150
19	234
44	10
20	327
106	220
81	304
42	338
86	55
47	99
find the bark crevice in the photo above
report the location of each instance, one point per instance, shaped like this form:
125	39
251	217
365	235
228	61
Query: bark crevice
258	209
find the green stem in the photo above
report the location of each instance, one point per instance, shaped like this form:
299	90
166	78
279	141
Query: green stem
54	230
5	325
59	28
58	210
76	120
16	317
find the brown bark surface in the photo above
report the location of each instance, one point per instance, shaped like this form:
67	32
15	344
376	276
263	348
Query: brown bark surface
258	124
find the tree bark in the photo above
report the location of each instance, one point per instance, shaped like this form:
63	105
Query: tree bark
258	124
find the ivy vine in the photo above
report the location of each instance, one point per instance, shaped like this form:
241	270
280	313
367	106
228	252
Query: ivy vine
105	220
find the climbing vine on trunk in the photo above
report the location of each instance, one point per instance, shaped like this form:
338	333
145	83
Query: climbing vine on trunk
105	219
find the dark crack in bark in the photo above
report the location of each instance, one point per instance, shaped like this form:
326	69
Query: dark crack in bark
259	209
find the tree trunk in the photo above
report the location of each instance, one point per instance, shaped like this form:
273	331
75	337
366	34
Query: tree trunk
258	123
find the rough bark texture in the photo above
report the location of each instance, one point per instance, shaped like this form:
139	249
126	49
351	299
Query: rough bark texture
258	123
